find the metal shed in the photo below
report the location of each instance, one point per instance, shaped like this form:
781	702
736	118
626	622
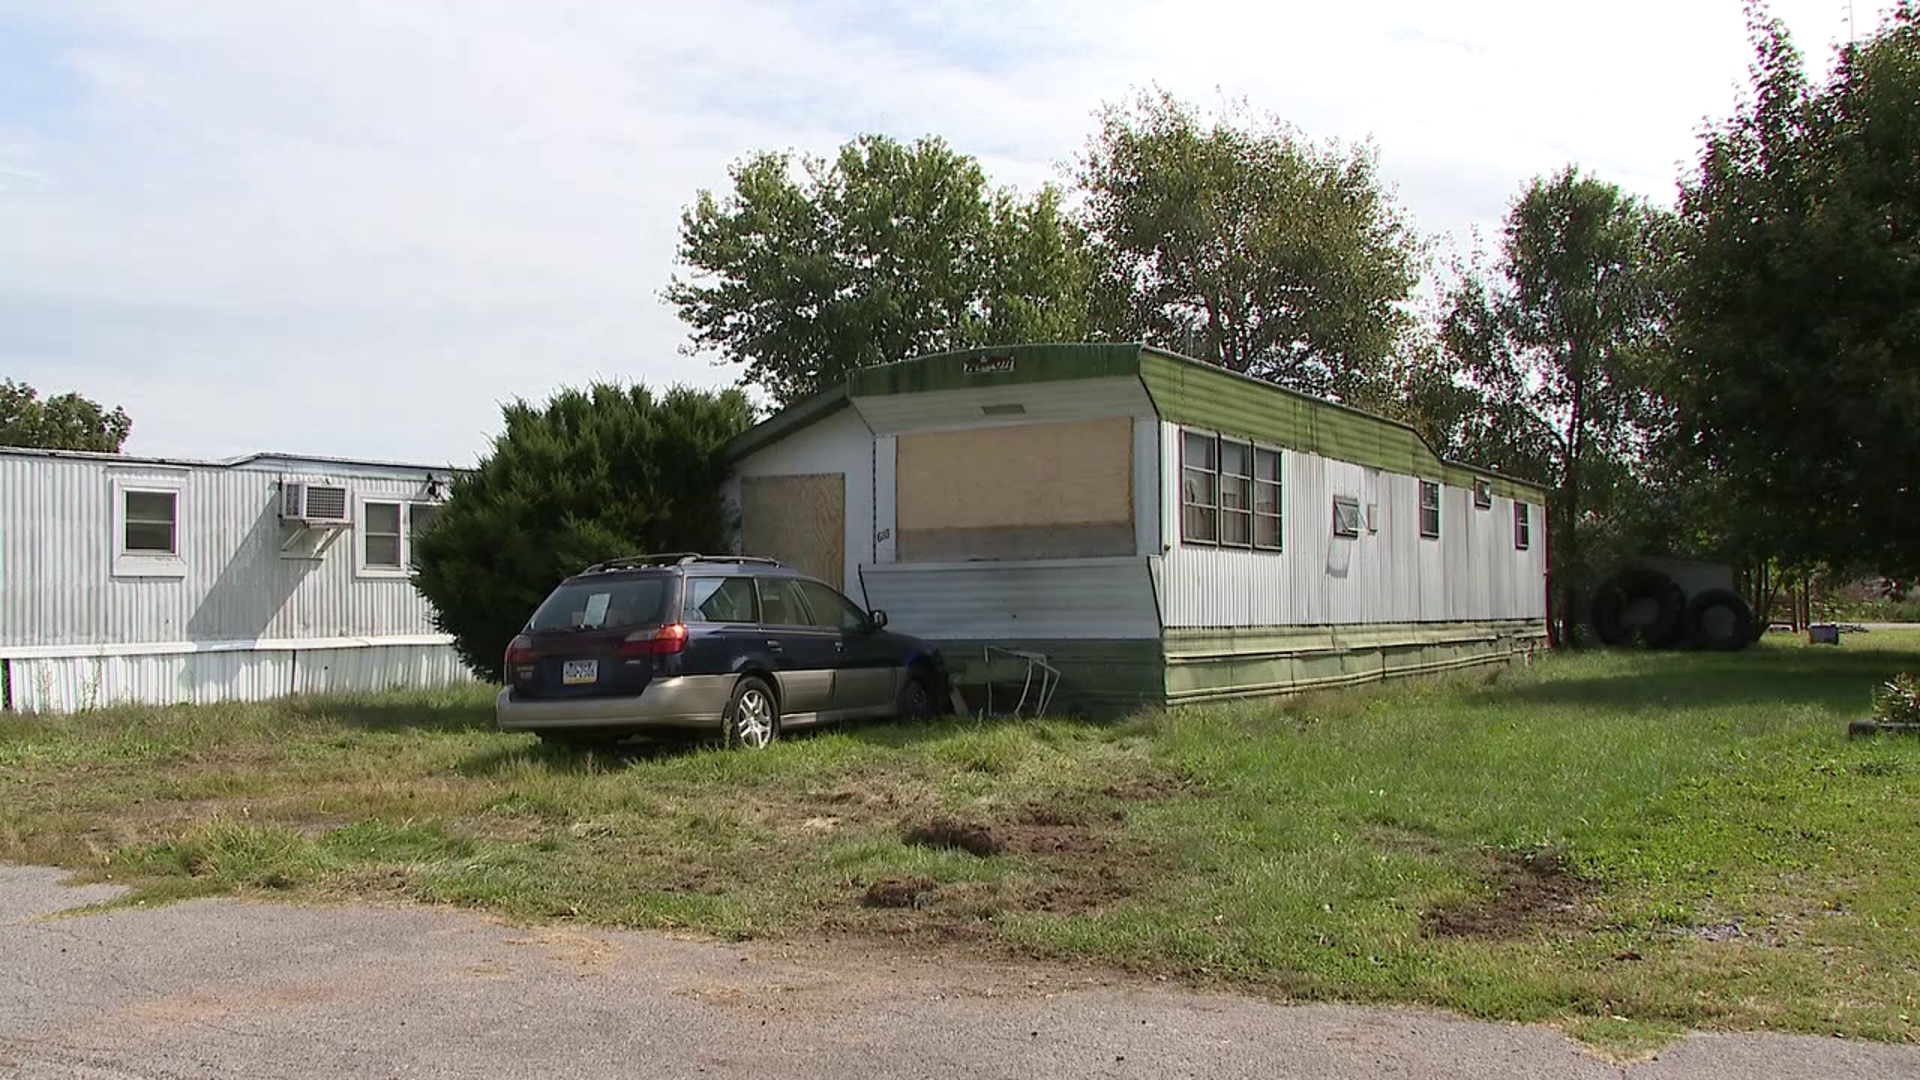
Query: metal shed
1162	530
160	580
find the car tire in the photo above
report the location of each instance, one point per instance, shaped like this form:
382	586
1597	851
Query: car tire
753	714
918	700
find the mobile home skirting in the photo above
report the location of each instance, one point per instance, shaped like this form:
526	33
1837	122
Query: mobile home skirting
73	678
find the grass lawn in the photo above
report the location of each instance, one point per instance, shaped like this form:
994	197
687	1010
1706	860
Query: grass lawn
1628	844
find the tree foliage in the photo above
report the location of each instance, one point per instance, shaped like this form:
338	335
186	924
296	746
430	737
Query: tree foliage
884	252
1797	304
592	475
63	422
1558	339
1240	242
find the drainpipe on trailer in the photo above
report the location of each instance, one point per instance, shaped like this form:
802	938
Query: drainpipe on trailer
6	684
293	672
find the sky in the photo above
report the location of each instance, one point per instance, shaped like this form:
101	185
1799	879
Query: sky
356	227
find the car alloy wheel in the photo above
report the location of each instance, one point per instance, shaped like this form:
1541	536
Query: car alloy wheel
755	720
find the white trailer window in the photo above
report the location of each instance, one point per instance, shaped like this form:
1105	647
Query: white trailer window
152	523
1522	525
1429	509
380	536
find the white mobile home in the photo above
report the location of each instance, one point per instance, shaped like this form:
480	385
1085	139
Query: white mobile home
128	579
1161	530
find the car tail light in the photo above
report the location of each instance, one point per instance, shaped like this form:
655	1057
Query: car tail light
662	642
521	651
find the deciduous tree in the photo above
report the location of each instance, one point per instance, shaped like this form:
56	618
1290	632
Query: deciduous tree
1237	240
1557	338
809	269
62	422
1797	331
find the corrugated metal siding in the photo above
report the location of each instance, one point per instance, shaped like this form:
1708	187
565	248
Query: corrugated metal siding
1391	575
89	682
56	555
1103	599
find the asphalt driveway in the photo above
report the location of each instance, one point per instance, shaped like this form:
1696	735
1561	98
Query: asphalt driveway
222	988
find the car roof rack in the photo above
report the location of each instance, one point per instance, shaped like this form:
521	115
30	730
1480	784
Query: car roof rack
677	558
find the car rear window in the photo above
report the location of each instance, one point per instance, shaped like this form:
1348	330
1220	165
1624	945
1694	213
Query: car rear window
595	605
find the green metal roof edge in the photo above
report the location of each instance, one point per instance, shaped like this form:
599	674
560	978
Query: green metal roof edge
1440	464
787	422
1031	362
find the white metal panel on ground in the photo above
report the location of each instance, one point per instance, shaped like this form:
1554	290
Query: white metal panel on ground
71	684
1390	574
1039	403
1100	599
841	443
57	546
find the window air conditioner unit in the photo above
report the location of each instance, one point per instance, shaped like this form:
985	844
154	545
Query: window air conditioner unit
314	504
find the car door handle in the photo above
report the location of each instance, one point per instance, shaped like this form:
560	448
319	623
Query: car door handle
773	646
839	646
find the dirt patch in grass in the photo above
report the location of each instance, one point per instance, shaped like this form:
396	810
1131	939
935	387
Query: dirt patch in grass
898	892
1532	891
968	836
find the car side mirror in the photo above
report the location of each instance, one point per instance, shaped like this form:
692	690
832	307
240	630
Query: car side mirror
877	619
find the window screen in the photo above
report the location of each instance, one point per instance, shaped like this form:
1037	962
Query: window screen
151	522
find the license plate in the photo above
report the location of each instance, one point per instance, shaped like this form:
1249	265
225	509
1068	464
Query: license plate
575	672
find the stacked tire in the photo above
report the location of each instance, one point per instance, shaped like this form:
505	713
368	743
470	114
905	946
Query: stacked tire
1646	608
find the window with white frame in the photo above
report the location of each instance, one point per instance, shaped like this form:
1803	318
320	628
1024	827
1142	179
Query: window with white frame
1230	492
380	536
1482	494
1522	525
151	522
1430	509
150	527
388	529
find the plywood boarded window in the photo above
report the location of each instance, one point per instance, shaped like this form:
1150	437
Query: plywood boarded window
1027	491
800	520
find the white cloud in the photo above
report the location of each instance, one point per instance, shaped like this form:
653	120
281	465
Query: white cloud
354	227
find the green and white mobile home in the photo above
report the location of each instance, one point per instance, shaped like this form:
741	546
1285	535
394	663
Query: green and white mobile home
1161	530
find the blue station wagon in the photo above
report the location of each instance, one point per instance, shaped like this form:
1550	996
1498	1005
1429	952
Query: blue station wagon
741	646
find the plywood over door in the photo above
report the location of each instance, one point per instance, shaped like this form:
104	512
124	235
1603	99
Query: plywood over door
800	520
